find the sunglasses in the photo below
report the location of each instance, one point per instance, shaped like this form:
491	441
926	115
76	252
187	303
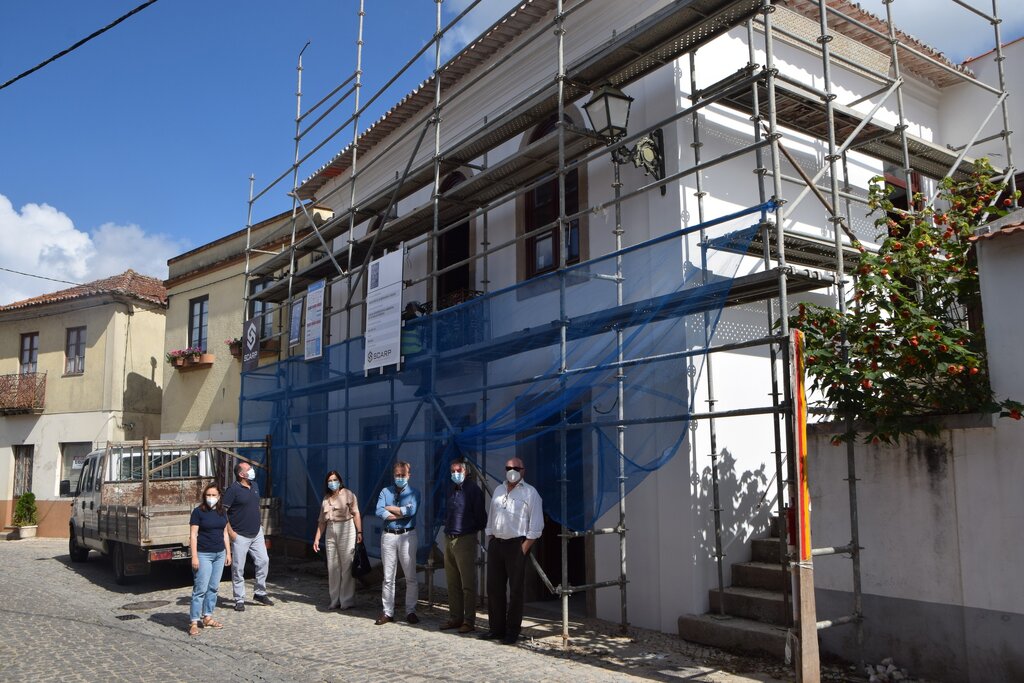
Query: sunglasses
509	468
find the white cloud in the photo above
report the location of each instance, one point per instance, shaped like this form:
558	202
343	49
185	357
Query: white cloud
41	240
478	20
950	28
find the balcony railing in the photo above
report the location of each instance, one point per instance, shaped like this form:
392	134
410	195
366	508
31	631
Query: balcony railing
22	393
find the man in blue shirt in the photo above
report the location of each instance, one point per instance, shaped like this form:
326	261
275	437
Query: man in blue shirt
397	505
465	517
242	502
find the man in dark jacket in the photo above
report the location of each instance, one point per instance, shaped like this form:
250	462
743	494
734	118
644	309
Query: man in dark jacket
465	517
242	502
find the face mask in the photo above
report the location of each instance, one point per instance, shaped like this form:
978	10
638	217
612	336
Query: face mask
400	482
211	501
513	476
250	475
334	485
458	477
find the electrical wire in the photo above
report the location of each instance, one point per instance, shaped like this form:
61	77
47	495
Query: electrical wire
77	45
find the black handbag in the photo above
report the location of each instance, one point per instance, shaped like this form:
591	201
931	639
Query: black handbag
360	561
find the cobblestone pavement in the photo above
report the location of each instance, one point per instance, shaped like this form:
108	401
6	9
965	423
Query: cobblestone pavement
71	622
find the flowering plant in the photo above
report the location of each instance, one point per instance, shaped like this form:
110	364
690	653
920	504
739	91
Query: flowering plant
188	352
910	345
233	342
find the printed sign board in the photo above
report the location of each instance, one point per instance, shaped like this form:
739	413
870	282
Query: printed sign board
315	320
384	311
295	324
250	346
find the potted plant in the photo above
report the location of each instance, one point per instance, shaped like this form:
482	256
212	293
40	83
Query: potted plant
26	515
234	347
176	357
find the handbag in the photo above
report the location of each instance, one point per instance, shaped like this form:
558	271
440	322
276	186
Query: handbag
360	562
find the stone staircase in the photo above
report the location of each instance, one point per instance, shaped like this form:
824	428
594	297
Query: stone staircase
755	608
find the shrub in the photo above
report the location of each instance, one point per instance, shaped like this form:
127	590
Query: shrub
25	512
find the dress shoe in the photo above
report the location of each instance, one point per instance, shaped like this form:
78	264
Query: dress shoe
450	625
491	635
383	619
412	618
467	628
509	640
263	600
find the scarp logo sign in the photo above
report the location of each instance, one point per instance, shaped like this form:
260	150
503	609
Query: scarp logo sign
250	338
378	355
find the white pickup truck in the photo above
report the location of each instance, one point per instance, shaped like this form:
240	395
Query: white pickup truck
135	498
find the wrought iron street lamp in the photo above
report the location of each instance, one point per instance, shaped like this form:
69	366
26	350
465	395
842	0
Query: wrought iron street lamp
608	111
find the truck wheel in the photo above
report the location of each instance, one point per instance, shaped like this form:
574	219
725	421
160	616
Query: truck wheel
117	559
78	553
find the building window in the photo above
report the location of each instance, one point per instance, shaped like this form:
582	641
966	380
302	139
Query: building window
543	250
198	319
22	470
29	352
72	457
260	311
74	351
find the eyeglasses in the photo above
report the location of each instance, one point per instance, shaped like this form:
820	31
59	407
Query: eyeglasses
509	468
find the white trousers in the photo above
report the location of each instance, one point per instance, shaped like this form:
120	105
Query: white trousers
341	546
398	549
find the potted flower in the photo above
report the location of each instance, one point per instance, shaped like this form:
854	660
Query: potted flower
176	357
26	515
234	347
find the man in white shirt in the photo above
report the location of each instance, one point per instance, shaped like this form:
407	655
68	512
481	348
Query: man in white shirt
515	520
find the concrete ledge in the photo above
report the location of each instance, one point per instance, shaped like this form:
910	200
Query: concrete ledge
734	634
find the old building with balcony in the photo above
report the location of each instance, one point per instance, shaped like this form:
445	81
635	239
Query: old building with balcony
78	367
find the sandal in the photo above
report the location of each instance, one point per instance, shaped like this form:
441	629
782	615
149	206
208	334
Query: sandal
193	630
210	622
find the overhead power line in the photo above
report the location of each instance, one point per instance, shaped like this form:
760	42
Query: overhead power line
42	277
79	44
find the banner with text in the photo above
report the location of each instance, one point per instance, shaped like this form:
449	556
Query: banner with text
315	320
250	346
384	311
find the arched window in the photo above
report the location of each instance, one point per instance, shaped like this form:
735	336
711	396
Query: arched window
541	208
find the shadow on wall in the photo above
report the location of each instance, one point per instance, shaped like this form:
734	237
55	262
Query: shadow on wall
745	501
142	401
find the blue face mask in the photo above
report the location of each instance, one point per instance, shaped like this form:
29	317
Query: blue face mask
334	485
458	477
400	482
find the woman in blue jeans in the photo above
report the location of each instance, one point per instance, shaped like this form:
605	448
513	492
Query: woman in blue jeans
211	552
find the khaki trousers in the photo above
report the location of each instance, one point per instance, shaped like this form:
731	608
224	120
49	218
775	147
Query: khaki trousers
460	571
341	546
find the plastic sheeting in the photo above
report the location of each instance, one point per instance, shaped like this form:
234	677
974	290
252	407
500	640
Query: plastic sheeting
487	380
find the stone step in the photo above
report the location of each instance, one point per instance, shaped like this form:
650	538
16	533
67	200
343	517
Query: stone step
765	550
750	603
734	634
767	575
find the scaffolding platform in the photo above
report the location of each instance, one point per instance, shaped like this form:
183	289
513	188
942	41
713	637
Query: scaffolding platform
803	109
800	248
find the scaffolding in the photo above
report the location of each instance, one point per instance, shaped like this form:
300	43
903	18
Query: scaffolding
793	261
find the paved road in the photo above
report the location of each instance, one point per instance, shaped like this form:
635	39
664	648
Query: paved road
60	620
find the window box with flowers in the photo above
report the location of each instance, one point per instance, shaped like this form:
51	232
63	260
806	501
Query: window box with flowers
234	347
268	347
192	358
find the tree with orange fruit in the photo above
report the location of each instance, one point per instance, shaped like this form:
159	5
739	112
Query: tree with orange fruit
910	347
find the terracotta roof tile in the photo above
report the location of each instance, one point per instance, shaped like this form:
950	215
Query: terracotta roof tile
129	283
1001	232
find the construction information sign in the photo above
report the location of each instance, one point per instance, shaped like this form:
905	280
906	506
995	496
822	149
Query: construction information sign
315	320
384	311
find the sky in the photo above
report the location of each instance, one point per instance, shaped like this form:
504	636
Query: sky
138	146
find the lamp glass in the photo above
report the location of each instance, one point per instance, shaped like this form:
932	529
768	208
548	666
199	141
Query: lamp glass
608	111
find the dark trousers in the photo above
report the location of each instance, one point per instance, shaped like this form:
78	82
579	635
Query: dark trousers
506	567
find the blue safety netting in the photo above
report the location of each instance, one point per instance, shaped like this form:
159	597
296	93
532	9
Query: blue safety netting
487	380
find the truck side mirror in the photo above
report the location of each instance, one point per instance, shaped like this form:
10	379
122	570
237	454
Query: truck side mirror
65	487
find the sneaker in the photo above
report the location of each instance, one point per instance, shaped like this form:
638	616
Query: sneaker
412	618
239	606
263	600
383	619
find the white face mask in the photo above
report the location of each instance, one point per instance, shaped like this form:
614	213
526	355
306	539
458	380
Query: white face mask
334	485
211	501
458	477
513	477
250	474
